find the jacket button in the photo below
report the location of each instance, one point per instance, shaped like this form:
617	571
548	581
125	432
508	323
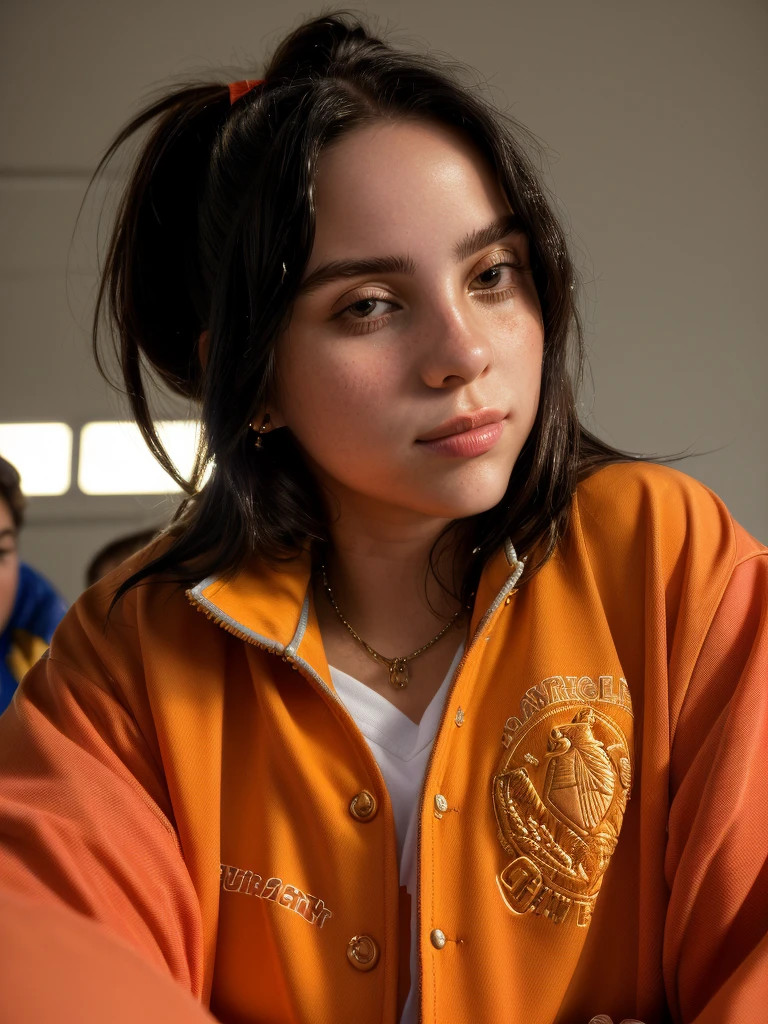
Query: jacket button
364	806
362	952
441	804
437	938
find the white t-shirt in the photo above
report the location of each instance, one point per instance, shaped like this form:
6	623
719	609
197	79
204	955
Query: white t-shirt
401	749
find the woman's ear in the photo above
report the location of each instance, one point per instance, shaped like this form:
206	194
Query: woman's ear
202	347
271	416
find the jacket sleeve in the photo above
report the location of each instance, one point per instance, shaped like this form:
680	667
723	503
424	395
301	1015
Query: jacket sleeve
90	975
85	817
716	942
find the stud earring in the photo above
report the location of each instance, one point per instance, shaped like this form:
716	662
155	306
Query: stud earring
263	429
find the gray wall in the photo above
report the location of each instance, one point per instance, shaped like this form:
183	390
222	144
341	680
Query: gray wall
653	116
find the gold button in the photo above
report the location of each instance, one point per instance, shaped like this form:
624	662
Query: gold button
362	952
364	806
441	804
459	719
437	938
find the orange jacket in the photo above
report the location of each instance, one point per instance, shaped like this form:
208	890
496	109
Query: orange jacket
603	754
58	967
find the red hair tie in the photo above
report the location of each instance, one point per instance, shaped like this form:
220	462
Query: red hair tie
238	89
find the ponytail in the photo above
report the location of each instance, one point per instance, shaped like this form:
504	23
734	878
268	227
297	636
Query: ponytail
152	292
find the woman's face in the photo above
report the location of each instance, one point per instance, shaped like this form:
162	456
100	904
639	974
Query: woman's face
9	564
412	384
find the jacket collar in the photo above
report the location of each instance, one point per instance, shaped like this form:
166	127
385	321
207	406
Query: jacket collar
266	606
273	608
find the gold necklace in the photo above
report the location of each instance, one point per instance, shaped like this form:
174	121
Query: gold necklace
398	671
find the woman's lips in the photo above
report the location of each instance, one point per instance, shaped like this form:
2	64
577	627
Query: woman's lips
468	443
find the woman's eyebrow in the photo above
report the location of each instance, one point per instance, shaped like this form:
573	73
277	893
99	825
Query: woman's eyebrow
334	270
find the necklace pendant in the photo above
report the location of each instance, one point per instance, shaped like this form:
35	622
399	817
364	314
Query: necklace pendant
398	674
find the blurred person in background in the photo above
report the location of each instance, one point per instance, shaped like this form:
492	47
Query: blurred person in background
30	606
116	551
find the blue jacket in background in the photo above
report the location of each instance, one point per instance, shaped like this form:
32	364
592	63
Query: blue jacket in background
37	611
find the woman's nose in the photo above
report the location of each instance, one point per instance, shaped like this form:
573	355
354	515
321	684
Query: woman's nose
455	351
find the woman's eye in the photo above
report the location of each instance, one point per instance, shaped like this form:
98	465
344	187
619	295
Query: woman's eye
364	308
499	277
360	316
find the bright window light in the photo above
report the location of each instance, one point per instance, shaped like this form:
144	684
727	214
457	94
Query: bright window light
115	460
42	453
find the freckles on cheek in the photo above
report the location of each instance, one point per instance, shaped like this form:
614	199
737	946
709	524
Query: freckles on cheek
360	387
334	403
531	349
357	416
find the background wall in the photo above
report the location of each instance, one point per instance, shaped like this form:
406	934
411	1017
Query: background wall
653	115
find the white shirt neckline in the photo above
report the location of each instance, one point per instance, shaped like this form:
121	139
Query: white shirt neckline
379	720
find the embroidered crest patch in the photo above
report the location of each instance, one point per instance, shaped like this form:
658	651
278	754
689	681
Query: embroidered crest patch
560	793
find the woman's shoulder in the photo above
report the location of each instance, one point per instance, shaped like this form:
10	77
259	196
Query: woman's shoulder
635	482
630	505
114	632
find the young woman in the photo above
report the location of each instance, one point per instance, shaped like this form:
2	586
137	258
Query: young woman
472	724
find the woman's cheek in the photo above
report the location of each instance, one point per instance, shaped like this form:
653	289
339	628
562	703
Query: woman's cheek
357	417
357	391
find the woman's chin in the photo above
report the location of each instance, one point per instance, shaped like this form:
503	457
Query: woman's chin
465	492
460	502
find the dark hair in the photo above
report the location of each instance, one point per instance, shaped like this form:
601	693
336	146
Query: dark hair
116	551
220	197
10	492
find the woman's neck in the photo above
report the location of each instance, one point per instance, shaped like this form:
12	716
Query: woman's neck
381	580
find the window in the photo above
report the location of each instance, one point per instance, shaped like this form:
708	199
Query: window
115	460
41	452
